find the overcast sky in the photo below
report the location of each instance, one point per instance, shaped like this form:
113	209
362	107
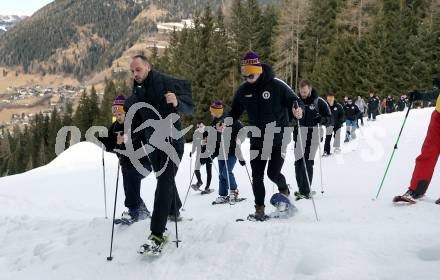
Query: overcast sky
21	7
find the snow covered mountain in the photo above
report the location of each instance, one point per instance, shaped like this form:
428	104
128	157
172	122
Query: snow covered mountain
52	223
9	21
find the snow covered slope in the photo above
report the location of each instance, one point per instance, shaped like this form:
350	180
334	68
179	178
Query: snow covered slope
52	223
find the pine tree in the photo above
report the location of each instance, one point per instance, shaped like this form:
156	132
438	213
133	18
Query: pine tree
105	110
287	41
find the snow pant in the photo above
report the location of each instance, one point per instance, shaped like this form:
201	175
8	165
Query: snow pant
310	141
208	166
275	162
361	118
426	161
166	197
225	168
332	131
351	130
372	114
132	187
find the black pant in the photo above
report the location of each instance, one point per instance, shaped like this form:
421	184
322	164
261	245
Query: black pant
258	165
132	187
166	191
361	117
372	114
328	139
208	175
301	176
306	147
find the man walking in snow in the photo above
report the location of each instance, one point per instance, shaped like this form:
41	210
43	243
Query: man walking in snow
426	161
373	106
131	177
360	102
338	118
225	147
352	113
316	113
165	96
266	100
199	147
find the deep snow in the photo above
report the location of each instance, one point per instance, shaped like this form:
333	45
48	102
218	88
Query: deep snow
52	223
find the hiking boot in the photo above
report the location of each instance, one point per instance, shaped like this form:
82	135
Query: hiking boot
412	195
233	195
154	245
222	199
172	217
285	191
299	196
143	212
129	217
197	186
259	214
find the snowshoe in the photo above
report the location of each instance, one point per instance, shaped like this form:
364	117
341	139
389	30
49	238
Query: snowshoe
221	200
207	191
258	215
154	245
284	208
197	186
409	197
127	218
299	195
402	198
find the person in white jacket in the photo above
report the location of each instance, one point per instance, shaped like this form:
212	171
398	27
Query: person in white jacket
360	102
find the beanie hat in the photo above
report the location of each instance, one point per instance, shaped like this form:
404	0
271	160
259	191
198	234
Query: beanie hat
331	94
250	64
216	108
118	105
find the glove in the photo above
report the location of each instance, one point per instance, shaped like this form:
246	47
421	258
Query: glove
190	154
320	120
242	162
415	95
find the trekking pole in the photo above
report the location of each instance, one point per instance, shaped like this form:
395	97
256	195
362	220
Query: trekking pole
109	258
105	189
305	166
187	192
320	159
175	187
249	176
394	150
191	176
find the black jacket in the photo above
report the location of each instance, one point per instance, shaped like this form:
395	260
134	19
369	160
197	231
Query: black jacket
316	111
352	112
373	103
401	103
338	115
390	103
152	91
267	100
236	126
110	144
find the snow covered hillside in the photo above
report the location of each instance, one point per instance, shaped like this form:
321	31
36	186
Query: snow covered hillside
52	223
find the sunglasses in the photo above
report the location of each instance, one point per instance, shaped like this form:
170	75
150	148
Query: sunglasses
250	77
